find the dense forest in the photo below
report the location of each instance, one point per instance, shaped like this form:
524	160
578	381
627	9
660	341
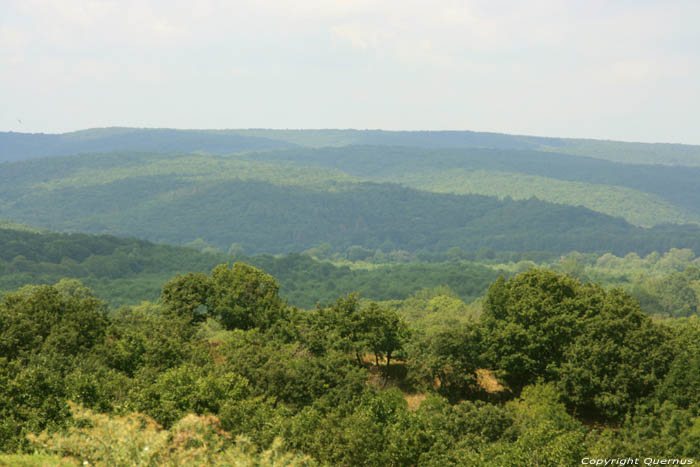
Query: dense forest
343	297
550	371
20	146
269	206
128	271
673	185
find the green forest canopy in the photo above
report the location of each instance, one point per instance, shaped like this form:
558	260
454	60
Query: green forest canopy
129	271
272	207
222	355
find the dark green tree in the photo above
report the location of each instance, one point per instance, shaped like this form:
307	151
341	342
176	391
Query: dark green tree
600	349
239	297
244	297
187	295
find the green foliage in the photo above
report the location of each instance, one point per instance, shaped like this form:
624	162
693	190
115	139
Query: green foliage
385	333
137	440
433	309
28	258
520	173
6	224
290	373
139	339
244	297
665	285
222	370
120	271
675	294
546	434
241	297
32	398
621	357
297	199
634	205
660	430
681	386
185	295
306	282
45	320
451	358
186	389
351	328
600	348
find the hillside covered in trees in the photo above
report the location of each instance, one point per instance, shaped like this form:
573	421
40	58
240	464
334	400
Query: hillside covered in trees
129	271
641	193
276	202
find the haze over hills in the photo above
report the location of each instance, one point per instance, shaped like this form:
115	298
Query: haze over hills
279	201
19	146
646	184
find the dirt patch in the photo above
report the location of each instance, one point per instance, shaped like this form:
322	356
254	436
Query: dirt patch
488	382
414	401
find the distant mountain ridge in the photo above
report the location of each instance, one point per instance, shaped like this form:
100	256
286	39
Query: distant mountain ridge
21	146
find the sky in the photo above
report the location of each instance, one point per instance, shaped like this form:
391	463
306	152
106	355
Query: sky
624	69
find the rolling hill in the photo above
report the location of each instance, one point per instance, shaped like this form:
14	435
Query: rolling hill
641	193
20	146
278	202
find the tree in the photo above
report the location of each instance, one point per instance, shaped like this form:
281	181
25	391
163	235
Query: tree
236	249
529	321
348	327
187	295
241	297
38	318
244	297
452	357
682	382
597	345
384	331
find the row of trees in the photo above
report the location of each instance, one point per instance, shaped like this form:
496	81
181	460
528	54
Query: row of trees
128	271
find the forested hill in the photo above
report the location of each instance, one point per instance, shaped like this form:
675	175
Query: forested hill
451	170
627	152
19	146
128	271
646	184
177	198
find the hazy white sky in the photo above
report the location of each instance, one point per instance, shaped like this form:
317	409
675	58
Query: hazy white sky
618	69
